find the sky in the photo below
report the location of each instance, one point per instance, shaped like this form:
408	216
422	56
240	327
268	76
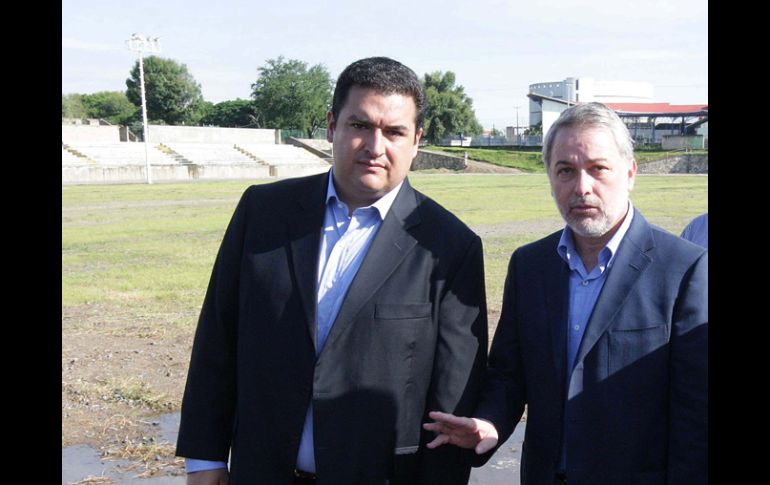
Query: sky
496	48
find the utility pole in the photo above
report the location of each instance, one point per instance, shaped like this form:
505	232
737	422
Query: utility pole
516	129
139	43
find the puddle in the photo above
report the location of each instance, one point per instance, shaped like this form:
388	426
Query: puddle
79	462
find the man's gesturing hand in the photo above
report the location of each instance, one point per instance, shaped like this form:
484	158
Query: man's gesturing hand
460	431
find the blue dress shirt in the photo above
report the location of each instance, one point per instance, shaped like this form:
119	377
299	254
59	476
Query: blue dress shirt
345	240
697	231
584	290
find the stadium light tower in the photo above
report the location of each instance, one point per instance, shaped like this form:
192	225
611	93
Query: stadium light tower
141	44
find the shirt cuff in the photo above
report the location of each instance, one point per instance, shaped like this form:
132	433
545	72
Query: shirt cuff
193	465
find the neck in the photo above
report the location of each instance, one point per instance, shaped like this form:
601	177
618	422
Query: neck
589	247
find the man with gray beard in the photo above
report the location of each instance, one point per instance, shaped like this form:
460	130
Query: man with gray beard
603	332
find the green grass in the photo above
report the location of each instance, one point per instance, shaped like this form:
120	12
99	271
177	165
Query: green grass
530	161
148	250
527	161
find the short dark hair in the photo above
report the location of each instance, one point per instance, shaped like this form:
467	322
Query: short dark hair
385	76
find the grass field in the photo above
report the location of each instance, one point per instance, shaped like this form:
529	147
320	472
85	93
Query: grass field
530	161
136	261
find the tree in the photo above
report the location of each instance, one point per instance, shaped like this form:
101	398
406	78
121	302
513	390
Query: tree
449	111
112	106
536	129
289	95
72	106
173	97
239	113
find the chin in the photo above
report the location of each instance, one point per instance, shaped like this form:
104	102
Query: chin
589	228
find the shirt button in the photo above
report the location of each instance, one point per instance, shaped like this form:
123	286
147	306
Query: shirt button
576	327
585	282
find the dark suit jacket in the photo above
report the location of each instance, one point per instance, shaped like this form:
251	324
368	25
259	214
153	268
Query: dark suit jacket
637	397
411	336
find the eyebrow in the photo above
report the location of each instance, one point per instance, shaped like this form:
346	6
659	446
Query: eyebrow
366	121
592	160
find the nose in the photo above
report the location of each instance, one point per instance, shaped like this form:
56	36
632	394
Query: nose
375	144
583	183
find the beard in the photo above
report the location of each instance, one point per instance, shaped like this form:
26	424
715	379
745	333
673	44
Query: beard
592	226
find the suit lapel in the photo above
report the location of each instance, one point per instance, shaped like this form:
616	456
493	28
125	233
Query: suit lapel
630	261
305	236
390	245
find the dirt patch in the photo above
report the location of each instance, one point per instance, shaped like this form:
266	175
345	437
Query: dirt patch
120	371
117	376
475	166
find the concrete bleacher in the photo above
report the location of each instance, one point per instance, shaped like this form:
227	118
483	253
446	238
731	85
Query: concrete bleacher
209	153
96	154
70	159
280	154
318	144
286	160
121	153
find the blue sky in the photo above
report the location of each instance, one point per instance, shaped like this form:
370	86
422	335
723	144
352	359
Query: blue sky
496	48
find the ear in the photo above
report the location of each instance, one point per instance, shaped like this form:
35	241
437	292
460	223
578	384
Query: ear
417	136
330	126
632	175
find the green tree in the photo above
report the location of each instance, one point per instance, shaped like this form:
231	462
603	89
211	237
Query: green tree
289	95
238	113
173	97
112	106
72	106
450	110
536	129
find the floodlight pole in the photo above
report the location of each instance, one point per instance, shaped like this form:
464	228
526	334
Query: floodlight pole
140	44
516	130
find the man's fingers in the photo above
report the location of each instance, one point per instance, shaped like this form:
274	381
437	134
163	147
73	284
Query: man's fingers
437	427
485	445
441	439
451	420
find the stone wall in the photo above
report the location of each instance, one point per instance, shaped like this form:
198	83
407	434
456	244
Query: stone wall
678	164
426	160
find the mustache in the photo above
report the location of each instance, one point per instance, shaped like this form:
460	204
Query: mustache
583	200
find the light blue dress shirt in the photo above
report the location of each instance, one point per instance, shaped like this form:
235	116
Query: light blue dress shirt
584	290
697	231
345	240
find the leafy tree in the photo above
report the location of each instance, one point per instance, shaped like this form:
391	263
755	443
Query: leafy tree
239	113
536	129
199	111
72	106
112	106
496	133
449	110
173	97
289	95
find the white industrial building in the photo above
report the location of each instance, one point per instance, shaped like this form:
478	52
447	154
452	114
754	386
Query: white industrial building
649	122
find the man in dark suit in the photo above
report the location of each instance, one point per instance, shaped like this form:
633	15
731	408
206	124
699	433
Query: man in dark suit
603	332
340	309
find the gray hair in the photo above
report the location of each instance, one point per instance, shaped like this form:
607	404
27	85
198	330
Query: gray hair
593	115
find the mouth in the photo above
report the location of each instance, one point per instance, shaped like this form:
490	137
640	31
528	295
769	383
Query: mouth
583	209
370	165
